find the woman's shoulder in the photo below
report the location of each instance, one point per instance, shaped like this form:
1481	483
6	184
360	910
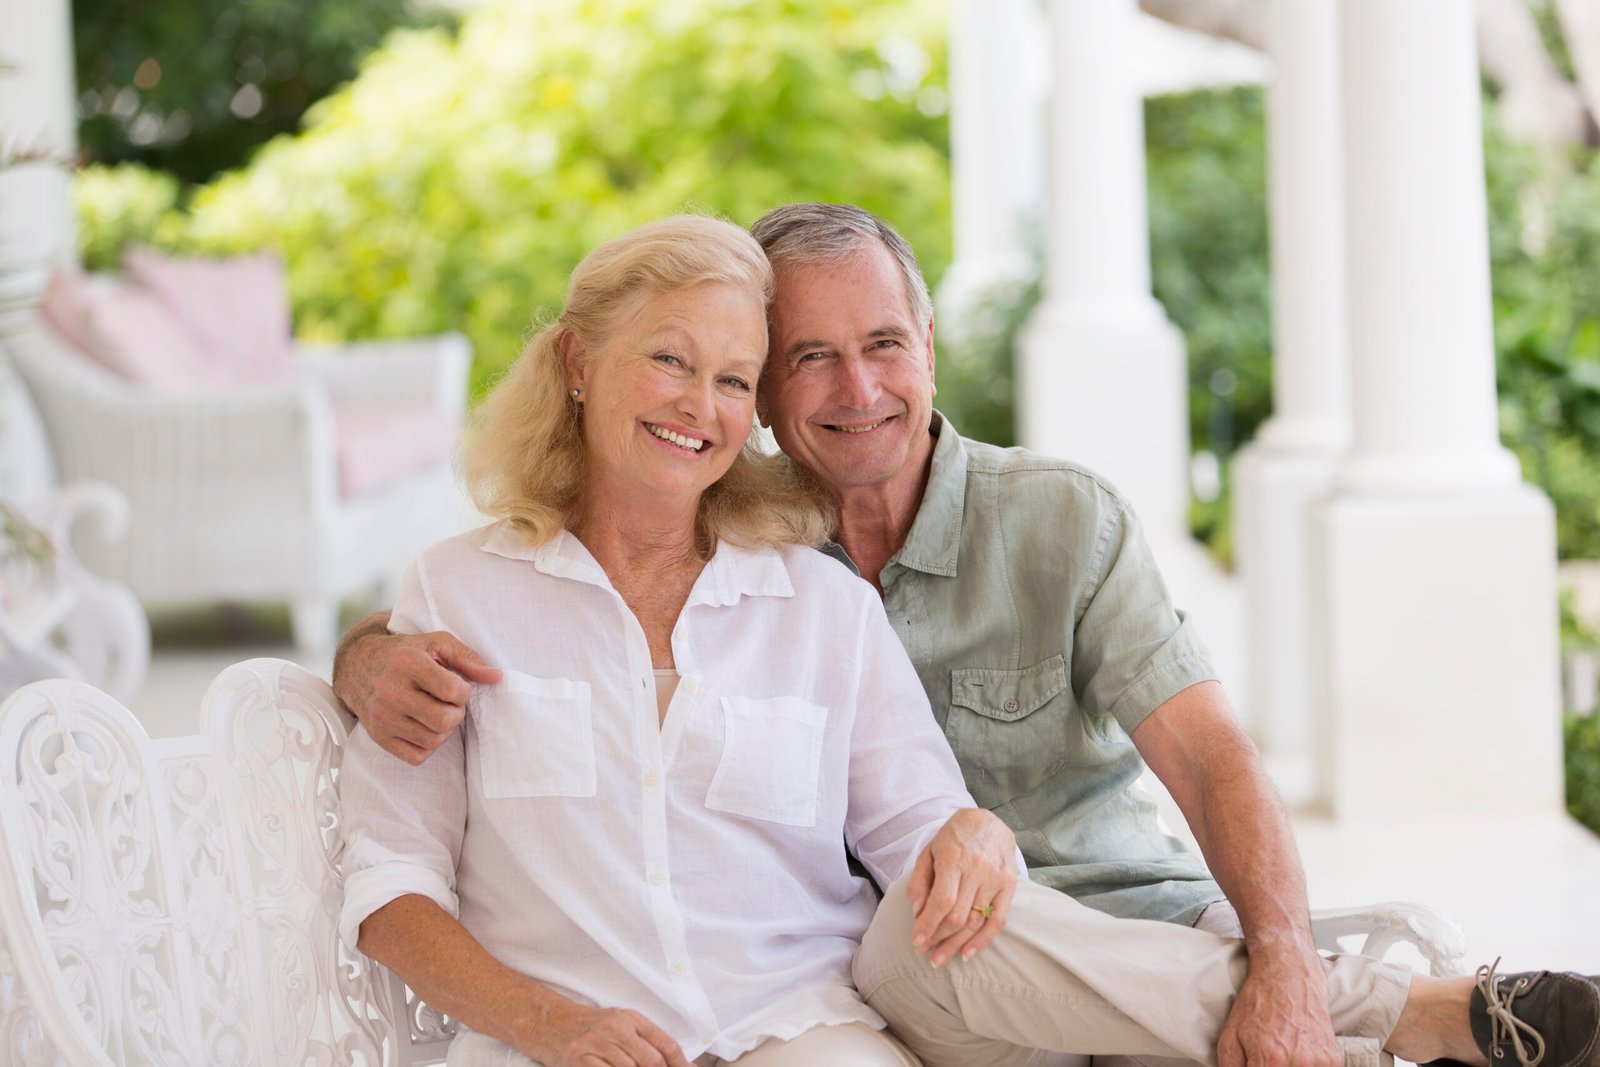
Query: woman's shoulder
813	573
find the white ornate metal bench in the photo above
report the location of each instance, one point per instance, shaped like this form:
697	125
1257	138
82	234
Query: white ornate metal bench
175	902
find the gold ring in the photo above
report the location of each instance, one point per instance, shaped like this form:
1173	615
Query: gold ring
986	911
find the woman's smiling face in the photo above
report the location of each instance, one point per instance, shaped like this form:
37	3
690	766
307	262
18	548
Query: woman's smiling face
669	398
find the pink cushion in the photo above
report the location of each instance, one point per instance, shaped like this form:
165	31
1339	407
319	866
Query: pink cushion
133	335
381	443
66	297
236	309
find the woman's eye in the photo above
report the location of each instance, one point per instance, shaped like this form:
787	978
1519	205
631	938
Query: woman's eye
669	359
737	383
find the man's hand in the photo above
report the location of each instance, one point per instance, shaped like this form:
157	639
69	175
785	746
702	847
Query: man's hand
408	690
1280	1017
572	1035
961	886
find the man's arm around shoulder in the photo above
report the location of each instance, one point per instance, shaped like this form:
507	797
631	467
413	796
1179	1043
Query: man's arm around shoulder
409	690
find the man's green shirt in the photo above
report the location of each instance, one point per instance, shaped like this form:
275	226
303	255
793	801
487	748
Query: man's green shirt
1043	633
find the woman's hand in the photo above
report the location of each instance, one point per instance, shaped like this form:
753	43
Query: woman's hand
961	886
572	1035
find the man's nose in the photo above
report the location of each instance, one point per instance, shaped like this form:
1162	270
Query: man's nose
858	383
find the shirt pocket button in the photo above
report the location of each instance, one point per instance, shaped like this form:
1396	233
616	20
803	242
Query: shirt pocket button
1010	705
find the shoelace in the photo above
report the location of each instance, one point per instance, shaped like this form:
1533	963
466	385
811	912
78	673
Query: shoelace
1503	1025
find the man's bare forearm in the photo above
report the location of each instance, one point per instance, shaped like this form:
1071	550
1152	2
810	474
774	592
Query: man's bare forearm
1215	774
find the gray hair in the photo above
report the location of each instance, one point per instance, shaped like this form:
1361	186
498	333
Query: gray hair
829	233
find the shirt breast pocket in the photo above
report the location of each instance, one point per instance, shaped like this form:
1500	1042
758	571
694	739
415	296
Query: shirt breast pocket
1009	728
535	737
771	760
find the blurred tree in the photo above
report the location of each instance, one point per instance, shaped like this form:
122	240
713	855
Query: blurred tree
192	87
458	180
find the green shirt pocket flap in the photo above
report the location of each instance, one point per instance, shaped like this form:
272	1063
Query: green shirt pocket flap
1008	695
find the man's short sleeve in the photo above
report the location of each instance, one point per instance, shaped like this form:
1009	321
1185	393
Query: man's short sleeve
1132	650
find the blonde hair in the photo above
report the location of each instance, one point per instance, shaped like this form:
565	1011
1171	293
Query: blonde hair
522	457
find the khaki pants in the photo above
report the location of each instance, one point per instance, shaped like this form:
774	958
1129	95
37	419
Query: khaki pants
845	1045
1065	978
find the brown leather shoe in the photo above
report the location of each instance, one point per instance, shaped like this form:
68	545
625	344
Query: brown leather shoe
1536	1019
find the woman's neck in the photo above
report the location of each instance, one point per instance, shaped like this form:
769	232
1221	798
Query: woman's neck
633	537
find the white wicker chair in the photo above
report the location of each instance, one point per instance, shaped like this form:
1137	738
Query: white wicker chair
176	902
235	495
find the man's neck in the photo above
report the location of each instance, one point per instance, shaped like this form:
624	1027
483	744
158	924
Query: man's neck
875	520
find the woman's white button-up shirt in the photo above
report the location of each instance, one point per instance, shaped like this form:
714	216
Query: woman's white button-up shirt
693	869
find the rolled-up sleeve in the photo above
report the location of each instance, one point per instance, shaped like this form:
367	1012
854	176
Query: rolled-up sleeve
1132	650
904	780
403	825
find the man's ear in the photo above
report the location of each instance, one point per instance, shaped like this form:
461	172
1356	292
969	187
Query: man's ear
572	361
931	360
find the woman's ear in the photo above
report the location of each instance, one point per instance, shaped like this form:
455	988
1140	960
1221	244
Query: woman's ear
572	361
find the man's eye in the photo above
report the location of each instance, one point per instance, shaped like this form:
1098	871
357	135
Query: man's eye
809	357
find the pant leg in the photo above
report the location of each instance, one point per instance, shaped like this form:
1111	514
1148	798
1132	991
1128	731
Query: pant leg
1066	978
1222	919
845	1045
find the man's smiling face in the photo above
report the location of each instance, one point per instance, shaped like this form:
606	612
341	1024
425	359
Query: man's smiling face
848	389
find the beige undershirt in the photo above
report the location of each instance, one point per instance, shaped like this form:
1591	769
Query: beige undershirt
666	685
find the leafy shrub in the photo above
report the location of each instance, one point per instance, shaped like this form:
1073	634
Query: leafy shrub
1583	769
459	179
120	205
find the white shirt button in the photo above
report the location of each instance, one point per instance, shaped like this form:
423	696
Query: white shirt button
678	969
652	779
707	1038
689	685
657	878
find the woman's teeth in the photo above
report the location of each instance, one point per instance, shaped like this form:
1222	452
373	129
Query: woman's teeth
691	443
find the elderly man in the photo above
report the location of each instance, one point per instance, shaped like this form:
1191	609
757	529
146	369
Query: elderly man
1028	601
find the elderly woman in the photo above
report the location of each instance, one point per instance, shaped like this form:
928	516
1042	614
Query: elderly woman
635	849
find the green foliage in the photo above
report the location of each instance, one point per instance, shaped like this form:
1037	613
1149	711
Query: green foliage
977	374
1208	251
117	206
193	87
1547	330
1583	769
459	179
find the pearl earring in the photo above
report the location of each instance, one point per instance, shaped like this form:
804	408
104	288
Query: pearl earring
576	393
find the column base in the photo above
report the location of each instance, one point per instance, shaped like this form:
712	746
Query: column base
1436	628
1273	494
1107	386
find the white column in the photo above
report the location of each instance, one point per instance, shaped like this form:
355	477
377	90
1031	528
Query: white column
996	150
1436	565
37	110
1291	461
1102	375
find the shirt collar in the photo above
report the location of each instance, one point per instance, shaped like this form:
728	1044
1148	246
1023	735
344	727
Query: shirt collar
935	538
731	573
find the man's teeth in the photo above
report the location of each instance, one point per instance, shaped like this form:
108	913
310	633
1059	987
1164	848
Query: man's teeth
861	429
691	443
